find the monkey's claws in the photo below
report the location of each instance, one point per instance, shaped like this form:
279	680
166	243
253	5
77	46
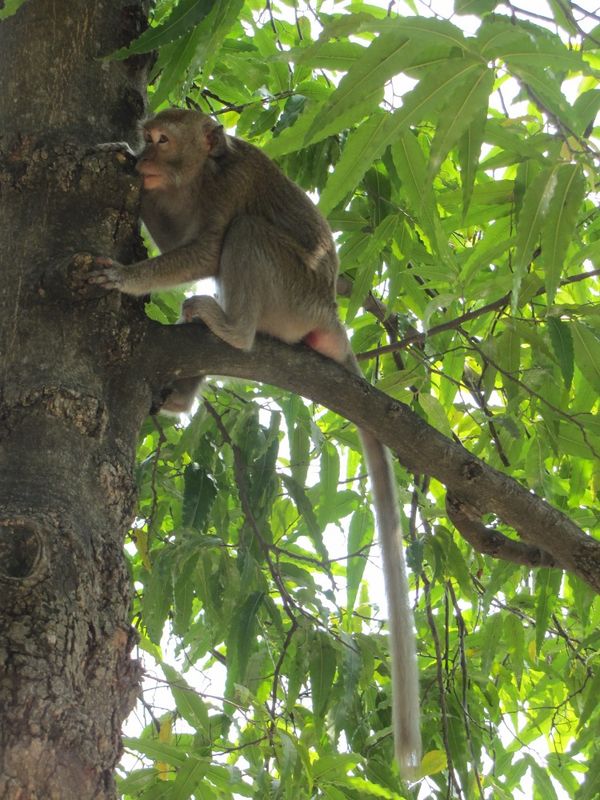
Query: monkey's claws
109	276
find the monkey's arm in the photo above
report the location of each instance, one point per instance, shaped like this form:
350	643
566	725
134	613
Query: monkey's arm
183	265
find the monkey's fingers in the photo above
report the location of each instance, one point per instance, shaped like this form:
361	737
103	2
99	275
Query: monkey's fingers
106	278
104	261
121	150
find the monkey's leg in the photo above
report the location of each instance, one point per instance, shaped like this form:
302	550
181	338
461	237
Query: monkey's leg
238	334
253	279
181	396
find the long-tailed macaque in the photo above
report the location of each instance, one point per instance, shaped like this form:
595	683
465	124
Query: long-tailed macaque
218	207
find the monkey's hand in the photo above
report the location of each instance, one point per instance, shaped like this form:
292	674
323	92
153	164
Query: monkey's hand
111	274
121	149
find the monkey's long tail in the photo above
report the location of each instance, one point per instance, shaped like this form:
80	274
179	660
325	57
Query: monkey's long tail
405	675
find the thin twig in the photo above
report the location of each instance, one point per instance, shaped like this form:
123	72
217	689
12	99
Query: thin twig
462	633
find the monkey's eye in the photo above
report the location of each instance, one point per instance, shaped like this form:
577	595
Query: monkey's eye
163	139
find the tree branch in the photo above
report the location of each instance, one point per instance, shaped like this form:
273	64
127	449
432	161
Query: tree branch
492	543
179	351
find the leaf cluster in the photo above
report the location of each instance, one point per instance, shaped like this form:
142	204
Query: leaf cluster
458	173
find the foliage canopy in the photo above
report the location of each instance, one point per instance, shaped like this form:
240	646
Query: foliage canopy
457	170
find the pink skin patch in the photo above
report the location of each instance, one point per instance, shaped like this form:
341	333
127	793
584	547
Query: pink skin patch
328	343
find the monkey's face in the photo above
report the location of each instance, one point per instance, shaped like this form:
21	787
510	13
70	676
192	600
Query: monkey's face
177	145
155	161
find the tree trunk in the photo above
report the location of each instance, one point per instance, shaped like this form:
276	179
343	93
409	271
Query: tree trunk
70	408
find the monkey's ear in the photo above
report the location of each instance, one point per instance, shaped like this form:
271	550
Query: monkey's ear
217	141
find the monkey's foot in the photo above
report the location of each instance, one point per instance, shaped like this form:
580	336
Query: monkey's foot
196	309
207	310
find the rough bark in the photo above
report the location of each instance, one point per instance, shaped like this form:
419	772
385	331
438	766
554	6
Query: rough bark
70	407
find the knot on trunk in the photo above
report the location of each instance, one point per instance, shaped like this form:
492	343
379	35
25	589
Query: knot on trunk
21	550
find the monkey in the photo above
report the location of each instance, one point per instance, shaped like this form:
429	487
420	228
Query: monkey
217	206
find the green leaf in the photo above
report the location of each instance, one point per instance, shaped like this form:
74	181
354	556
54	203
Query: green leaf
559	225
433	761
468	100
508	353
535	208
360	539
591	700
304	506
490	641
587	353
545	87
323	660
562	344
241	640
531	48
363	788
189	778
157	597
174	61
10	7
183	596
185	15
547	585
135	783
514	138
543	784
157	751
404	43
364	278
411	167
585	110
478	7
199	495
457	566
330	767
344	25
386	56
344	505
228	780
442	36
299	428
563	16
368	257
590	790
329	475
436	415
370	139
297	662
364	145
295	137
182	59
469	152
222	17
189	703
514	636
333	55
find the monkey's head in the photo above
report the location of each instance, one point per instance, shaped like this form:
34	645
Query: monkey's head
177	146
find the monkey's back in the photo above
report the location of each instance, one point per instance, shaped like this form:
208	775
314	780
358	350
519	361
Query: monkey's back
269	194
